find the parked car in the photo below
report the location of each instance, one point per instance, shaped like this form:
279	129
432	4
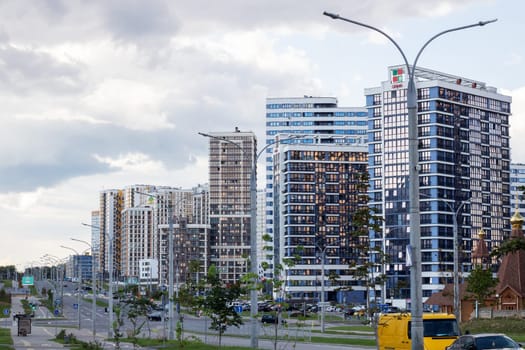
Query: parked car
269	318
155	316
483	341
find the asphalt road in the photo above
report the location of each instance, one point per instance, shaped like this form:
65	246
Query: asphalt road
45	326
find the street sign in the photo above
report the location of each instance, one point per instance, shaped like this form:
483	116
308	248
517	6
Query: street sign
57	312
75	306
6	311
238	309
28	280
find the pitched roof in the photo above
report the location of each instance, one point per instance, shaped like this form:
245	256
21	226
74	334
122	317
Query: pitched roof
511	273
446	296
481	252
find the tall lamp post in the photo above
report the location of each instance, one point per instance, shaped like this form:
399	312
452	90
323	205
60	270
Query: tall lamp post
323	256
110	279
254	341
171	333
455	234
416	294
93	288
79	280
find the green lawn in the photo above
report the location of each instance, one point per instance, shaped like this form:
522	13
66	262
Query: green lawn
513	327
5	337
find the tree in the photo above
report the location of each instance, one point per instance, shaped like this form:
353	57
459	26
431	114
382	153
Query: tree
368	258
136	307
510	246
217	301
481	283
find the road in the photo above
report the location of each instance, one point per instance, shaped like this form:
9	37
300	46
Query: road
45	327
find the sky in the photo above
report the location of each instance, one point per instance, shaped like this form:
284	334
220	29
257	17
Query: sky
98	95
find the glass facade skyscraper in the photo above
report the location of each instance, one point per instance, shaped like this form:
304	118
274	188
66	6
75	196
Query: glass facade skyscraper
319	120
464	172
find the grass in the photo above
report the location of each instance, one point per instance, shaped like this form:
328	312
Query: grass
5	337
513	327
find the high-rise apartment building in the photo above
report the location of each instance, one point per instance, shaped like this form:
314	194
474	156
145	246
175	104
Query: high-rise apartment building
317	189
517	181
319	120
111	204
464	172
140	218
231	164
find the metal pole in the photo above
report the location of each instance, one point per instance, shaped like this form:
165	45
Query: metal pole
171	333
171	233
323	254
416	295
110	287
79	270
254	341
254	337
93	288
110	279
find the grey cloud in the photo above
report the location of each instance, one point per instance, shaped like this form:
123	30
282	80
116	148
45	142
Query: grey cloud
136	20
24	70
64	150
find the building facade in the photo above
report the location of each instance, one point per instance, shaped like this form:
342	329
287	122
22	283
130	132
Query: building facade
232	157
517	180
317	188
79	265
319	120
464	173
140	218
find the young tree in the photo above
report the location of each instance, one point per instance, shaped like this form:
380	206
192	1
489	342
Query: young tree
368	258
481	283
216	304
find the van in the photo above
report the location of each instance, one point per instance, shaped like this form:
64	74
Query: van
439	331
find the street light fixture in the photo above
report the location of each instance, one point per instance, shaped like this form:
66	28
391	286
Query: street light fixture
416	294
253	227
110	280
93	287
79	280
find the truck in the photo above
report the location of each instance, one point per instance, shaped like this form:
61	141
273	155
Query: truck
394	331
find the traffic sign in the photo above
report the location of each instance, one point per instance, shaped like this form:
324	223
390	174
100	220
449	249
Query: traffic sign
75	306
28	280
6	311
238	308
57	312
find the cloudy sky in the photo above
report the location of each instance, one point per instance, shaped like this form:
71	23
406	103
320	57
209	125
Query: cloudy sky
97	95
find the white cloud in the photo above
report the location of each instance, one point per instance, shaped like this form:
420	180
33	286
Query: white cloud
128	103
517	125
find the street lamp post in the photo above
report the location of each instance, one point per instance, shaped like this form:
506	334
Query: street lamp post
455	234
171	269
416	294
323	256
110	279
253	228
93	288
79	280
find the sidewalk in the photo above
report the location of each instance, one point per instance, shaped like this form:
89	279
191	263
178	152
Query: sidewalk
42	336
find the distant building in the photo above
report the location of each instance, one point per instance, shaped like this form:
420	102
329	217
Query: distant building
79	265
517	180
231	161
